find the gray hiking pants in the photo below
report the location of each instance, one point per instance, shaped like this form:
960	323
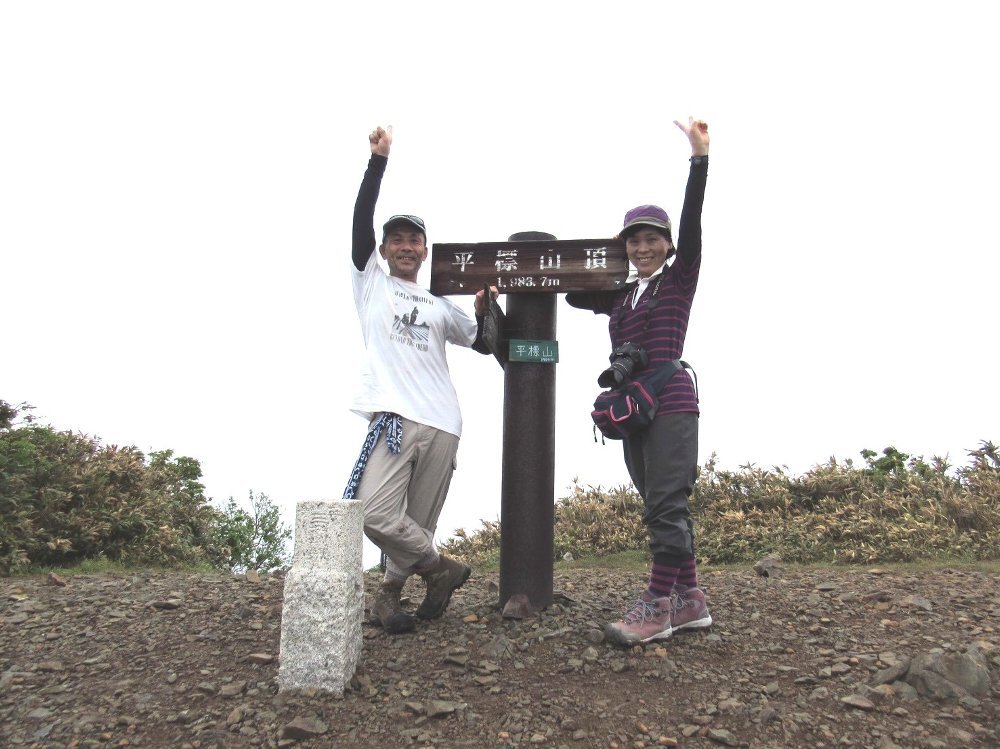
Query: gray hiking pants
663	463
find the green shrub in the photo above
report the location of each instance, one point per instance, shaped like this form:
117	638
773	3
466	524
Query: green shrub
65	498
895	508
255	540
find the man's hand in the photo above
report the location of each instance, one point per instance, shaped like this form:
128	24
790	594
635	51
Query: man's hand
481	303
697	133
380	140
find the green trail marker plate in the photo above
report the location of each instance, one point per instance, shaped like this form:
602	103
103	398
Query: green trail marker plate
536	352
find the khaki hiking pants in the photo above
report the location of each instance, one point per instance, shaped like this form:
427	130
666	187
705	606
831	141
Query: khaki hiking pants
402	495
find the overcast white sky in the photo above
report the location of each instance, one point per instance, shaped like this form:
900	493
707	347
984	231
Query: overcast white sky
177	181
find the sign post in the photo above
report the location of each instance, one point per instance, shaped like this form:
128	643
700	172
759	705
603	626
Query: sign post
531	268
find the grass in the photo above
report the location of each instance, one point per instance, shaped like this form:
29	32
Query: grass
108	567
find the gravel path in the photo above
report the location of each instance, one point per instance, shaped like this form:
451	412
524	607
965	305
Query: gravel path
854	657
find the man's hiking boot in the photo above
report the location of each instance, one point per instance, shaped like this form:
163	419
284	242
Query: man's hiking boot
442	578
689	609
387	611
649	619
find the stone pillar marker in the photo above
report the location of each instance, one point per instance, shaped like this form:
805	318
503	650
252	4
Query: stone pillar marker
324	598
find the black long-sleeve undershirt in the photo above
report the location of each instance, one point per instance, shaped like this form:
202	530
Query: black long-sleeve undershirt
363	233
689	229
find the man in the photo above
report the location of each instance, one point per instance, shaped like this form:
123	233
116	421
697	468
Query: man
408	396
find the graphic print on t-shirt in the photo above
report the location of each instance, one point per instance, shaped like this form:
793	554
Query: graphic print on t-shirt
407	330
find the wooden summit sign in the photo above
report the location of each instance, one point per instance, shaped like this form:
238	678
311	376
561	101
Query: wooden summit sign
530	269
529	266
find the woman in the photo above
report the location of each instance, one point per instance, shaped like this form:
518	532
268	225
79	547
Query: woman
662	459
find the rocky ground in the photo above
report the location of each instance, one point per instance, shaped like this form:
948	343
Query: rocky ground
802	658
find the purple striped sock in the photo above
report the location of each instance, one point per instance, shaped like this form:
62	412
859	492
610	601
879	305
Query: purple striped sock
688	574
661	580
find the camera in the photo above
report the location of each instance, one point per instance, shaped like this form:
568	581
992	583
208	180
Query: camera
623	360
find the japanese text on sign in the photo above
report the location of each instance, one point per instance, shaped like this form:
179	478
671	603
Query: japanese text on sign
539	352
537	266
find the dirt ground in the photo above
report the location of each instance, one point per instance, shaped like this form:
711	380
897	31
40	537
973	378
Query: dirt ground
804	658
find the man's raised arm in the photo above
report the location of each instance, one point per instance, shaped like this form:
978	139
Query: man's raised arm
363	233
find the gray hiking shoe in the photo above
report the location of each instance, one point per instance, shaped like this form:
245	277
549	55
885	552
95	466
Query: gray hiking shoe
689	609
387	612
444	577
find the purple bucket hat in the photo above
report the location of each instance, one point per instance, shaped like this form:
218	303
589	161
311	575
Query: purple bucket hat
648	215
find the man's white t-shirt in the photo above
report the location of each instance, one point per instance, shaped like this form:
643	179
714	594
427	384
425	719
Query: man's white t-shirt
405	328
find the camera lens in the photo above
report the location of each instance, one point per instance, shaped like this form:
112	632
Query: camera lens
617	373
623	360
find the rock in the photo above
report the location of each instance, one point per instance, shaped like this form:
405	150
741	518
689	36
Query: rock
905	691
856	700
518	606
499	648
436	708
233	689
915	601
882	693
950	676
303	728
771	566
961	737
167	605
722	736
261	658
893	673
768	715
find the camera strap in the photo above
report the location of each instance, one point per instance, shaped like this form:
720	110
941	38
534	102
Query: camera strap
654	300
655	380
